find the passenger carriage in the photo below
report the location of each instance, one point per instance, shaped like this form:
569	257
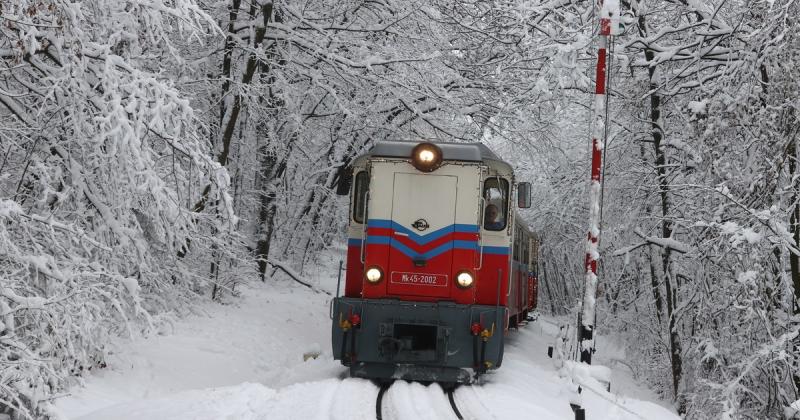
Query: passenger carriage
438	263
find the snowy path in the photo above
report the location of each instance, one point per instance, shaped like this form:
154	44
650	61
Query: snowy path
244	361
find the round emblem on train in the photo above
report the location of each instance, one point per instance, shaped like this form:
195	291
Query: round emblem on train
420	225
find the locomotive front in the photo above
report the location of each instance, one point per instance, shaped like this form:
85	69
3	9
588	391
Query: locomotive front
426	288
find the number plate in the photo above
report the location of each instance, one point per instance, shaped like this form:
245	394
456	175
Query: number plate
419	279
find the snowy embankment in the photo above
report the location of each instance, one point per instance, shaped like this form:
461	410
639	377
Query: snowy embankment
245	361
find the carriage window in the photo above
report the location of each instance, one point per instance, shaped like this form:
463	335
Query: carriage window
526	254
515	244
495	192
360	196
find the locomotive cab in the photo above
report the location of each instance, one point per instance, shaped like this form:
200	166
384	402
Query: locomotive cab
431	283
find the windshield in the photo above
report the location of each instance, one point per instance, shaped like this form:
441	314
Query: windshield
495	193
360	196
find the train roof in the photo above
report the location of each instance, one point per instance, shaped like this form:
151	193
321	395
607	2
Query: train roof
469	152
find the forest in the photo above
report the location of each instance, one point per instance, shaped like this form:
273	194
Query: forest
157	153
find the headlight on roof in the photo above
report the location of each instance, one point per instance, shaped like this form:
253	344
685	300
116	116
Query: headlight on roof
426	157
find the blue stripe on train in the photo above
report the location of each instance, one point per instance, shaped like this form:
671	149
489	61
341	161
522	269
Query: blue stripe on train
470	245
423	239
420	239
447	246
495	250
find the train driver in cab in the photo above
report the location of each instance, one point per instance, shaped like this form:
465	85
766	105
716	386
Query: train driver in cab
493	220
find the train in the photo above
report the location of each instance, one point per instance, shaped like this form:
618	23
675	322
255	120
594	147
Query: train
439	263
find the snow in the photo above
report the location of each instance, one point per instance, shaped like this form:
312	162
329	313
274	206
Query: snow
750	236
9	208
131	285
589	300
610	10
739	234
698	107
683	146
242	402
245	361
729	228
258	339
668	243
747	277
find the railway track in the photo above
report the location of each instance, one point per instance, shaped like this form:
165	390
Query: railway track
450	391
379	401
453	405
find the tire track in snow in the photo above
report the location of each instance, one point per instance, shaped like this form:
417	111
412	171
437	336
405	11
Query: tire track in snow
438	404
405	401
351	401
388	409
409	402
471	408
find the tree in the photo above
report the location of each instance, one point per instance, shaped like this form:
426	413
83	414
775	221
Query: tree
100	155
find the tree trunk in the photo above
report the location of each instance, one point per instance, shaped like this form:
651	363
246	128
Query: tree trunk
794	220
272	168
266	211
794	260
655	287
273	163
657	131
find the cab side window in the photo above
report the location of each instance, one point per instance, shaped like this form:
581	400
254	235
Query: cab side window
495	213
360	196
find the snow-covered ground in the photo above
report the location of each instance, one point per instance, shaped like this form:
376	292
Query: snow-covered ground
245	361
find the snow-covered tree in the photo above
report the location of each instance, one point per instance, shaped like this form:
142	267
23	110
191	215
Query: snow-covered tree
101	156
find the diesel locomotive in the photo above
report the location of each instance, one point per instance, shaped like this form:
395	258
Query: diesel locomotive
439	265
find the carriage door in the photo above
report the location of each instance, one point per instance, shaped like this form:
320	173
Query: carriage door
423	218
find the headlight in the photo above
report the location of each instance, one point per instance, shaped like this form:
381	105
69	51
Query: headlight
373	275
426	157
464	279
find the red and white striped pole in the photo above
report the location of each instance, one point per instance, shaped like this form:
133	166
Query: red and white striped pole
609	16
